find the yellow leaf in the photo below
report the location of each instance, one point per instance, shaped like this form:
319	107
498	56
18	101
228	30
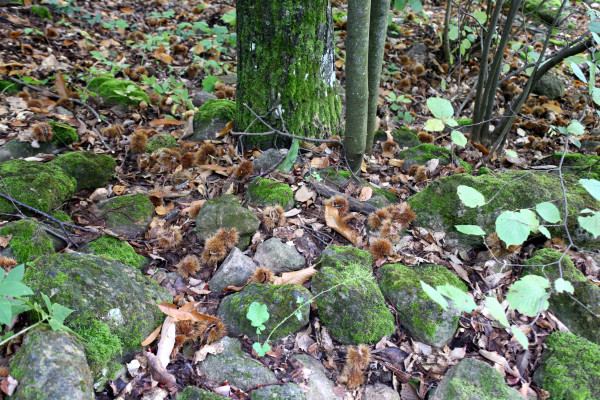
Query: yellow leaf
161	210
119	189
297	277
151	337
333	220
365	193
182	315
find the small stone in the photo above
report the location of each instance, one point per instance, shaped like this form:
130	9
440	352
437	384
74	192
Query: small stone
16	149
29	240
319	386
289	391
199	97
380	391
268	159
99	194
160	141
549	85
195	393
273	254
127	215
234	271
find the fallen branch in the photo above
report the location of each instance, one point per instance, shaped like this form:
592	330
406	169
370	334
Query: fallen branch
355	205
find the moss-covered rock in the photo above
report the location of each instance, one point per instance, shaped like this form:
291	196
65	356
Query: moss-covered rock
112	248
117	92
127	215
29	240
51	365
472	379
194	393
549	85
161	141
426	151
545	10
8	87
281	302
63	134
212	117
349	301
438	207
569	368
226	212
16	149
42	186
289	391
41	12
233	366
103	291
341	256
422	317
90	170
586	166
569	311
267	192
403	136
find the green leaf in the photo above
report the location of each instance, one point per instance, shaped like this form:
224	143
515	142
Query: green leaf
528	295
575	128
47	302
458	138
470	230
399	4
14	289
5	311
290	159
544	231
596	95
434	295
440	108
462	300
480	16
592	186
511	228
60	312
530	219
496	310
261	350
594	27
548	211
520	336
257	314
470	197
434	125
578	73
15	274
208	83
562	285
56	325
416	5
591	224
453	32
511	153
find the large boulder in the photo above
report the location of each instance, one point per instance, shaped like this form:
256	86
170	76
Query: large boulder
472	379
51	365
569	368
546	10
425	319
127	215
422	153
42	186
90	170
114	249
273	254
195	393
349	301
16	149
113	302
29	240
403	136
438	207
281	301
226	212
288	391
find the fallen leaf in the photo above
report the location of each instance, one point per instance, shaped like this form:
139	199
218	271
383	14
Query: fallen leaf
335	222
119	190
151	337
214	348
4	241
182	315
303	194
394	162
61	86
167	342
365	193
164	122
298	277
161	210
319	162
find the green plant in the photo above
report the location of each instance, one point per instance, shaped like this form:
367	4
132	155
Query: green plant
398	106
229	18
14	301
443	112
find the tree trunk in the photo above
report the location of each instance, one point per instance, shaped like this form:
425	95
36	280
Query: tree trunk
286	68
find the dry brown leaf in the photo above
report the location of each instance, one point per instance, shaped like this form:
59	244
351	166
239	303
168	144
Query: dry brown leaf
181	315
4	241
553	107
165	122
161	210
394	162
119	189
167	342
61	86
219	169
298	277
226	130
335	222
365	193
319	162
151	337
304	194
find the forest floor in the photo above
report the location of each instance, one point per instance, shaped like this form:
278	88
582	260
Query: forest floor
132	39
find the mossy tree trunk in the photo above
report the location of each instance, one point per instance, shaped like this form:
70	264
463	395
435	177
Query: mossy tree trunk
286	66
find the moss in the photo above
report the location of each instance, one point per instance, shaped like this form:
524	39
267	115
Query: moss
101	345
61	216
128	213
586	166
569	368
89	170
41	12
464	121
267	192
216	108
63	134
115	249
116	91
338	257
8	87
29	240
551	256
483	171
546	10
427	151
194	393
161	141
404	136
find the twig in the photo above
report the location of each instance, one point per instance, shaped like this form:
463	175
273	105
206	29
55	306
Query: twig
355	205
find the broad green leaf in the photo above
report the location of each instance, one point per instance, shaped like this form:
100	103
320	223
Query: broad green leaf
511	228
462	300
60	312
591	224
56	325
290	159
496	310
453	32
528	295
592	186
480	16
434	125
434	295
440	108
47	302
416	5
511	153
548	211
261	350
470	230
544	231
14	289
15	274
458	138
578	72
5	311
520	336
530	219
562	285
470	197
257	314
594	26
596	95
575	128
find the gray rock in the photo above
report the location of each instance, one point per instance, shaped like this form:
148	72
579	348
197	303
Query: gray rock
379	391
226	212
194	393
102	292
403	136
51	365
207	129
281	302
15	149
29	240
268	159
319	386
550	86
472	379
289	391
422	317
418	53
199	97
273	254
235	270
233	366
90	170
127	215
